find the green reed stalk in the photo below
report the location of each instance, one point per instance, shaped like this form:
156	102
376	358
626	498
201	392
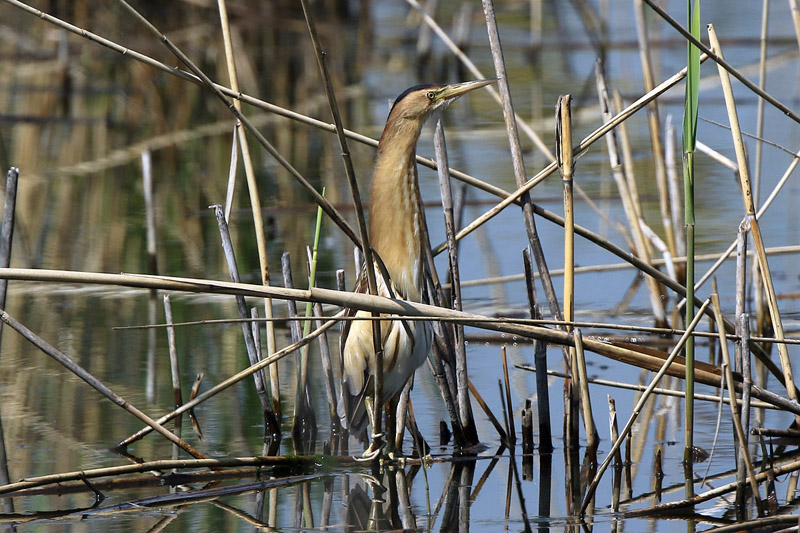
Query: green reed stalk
689	143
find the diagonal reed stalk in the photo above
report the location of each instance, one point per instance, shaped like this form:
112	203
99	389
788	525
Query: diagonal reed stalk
755	229
255	207
638	407
362	225
691	99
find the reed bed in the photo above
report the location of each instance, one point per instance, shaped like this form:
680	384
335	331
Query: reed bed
660	218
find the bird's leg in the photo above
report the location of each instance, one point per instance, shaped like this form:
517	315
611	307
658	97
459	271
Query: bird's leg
376	444
391	416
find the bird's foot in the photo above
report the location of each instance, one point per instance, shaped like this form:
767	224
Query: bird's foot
376	447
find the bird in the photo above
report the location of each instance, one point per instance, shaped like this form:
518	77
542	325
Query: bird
395	234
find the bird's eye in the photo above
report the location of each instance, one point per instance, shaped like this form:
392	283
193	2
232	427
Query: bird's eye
431	95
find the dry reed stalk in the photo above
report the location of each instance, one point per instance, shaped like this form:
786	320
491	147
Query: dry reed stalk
755	230
540	359
167	464
255	204
637	408
614	427
366	249
655	127
149	210
775	250
566	168
741	436
96	384
592	438
173	360
229	190
493	419
6	239
762	81
629	203
657	390
517	159
462	395
674	183
271	425
512	432
174	371
479	75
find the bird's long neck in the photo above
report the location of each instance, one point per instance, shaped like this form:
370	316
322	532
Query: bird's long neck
395	225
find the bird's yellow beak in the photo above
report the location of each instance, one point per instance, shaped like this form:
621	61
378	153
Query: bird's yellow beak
451	92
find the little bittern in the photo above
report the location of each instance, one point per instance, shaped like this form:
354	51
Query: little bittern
395	232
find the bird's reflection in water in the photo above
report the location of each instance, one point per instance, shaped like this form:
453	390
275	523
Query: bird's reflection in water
382	501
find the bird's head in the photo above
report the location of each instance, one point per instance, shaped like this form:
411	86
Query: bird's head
419	102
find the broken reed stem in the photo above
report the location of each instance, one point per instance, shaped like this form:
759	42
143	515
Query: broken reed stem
232	171
271	426
638	407
629	206
96	384
674	183
540	359
493	419
213	391
512	432
255	204
462	395
737	423
755	230
614	428
566	168
300	393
